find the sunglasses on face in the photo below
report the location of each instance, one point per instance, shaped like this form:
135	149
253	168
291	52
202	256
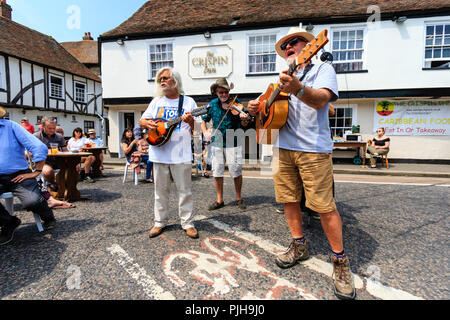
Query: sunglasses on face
291	42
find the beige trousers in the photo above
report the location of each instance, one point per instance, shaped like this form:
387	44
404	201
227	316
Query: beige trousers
181	175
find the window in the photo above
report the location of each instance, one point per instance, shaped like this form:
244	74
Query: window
160	55
261	54
342	120
347	49
56	87
80	92
88	125
2	73
437	46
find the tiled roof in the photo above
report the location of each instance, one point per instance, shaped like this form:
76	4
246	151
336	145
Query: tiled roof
85	51
22	42
167	16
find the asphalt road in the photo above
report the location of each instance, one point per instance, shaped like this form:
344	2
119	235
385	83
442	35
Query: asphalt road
395	234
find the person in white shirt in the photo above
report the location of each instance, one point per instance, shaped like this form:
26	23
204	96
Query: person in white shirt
173	159
75	144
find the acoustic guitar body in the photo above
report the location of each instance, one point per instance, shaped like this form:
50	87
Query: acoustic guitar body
161	134
272	117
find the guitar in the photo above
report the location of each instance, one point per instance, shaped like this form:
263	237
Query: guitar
274	105
159	136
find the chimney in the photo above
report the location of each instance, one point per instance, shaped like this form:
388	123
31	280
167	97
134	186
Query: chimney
87	36
5	10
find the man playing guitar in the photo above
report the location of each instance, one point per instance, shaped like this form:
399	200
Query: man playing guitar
304	160
224	120
173	159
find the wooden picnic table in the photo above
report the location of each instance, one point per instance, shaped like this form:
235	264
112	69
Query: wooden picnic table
68	177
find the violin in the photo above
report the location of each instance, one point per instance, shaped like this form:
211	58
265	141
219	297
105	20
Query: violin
238	108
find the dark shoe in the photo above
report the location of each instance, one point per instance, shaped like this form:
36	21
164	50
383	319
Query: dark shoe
342	279
192	233
241	204
156	231
215	205
49	225
7	233
280	211
89	179
296	252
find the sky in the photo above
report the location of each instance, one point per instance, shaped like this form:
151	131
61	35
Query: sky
69	20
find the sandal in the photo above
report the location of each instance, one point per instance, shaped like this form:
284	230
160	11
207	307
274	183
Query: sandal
215	205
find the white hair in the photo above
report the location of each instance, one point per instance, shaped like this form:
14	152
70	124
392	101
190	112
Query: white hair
176	78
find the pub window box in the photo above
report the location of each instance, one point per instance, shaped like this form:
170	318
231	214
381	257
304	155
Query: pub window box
2	74
348	49
262	56
56	87
160	55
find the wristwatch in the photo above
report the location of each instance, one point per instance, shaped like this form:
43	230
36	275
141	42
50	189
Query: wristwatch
301	91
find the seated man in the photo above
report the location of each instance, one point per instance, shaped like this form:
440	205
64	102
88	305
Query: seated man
96	142
48	135
16	177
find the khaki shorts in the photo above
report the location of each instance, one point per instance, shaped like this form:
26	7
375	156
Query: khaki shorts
294	170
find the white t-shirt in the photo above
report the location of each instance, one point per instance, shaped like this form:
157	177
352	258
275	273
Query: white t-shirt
76	145
178	148
308	129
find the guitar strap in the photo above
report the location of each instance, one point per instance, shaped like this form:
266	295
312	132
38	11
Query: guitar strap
306	70
180	106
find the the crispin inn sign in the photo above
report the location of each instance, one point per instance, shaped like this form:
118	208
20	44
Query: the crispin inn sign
210	61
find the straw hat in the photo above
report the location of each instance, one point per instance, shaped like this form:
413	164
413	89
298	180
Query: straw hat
293	32
2	112
223	83
91	131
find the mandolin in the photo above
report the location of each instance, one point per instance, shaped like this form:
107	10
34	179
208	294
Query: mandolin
159	136
273	104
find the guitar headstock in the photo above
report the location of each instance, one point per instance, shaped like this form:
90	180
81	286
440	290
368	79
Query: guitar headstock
312	47
200	111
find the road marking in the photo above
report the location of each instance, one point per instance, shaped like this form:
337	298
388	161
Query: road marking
149	285
374	288
395	183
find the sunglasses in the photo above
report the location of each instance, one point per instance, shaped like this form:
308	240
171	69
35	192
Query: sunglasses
291	42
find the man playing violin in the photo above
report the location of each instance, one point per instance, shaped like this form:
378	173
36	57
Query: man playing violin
304	158
225	144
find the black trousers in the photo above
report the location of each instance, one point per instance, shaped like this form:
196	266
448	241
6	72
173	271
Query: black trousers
29	195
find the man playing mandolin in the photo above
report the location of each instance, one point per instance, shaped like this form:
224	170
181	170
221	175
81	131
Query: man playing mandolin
304	159
224	120
173	159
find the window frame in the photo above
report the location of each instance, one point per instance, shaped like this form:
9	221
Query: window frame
75	82
50	95
247	47
354	108
363	59
149	61
2	73
86	128
424	47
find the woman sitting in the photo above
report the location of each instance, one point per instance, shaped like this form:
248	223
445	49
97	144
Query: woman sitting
379	146
75	144
143	150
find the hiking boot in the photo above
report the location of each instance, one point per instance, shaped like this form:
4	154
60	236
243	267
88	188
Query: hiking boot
296	252
49	225
342	279
192	233
7	233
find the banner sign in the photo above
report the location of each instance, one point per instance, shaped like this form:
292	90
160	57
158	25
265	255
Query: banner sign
210	61
413	117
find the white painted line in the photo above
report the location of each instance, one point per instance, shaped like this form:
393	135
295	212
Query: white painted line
149	285
376	289
394	183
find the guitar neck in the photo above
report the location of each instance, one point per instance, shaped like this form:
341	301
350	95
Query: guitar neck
195	113
292	68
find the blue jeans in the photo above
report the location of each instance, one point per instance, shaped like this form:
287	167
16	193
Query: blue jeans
149	166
